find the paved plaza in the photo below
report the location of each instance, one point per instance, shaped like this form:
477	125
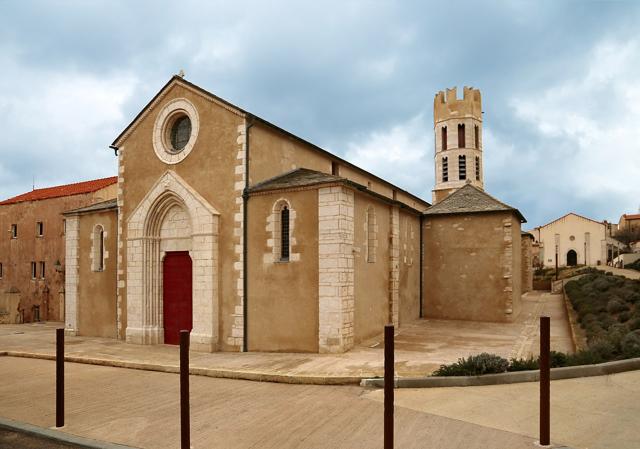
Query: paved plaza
421	347
140	409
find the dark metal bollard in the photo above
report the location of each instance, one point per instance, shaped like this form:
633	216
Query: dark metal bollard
59	377
388	386
545	381
185	426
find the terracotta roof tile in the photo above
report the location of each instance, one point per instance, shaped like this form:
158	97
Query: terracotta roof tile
632	216
64	190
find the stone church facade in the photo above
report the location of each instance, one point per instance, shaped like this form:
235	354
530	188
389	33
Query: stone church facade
258	240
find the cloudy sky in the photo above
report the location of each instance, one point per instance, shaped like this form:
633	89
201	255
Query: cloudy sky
560	83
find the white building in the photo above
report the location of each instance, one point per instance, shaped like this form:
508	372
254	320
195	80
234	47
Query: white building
576	240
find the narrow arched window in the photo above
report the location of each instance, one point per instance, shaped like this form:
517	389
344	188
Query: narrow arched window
476	136
372	237
284	233
477	168
462	167
445	169
98	249
444	137
461	137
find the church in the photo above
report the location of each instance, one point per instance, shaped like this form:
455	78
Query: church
257	240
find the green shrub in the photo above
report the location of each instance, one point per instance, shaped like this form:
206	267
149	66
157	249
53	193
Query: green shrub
616	305
634	323
523	364
558	359
585	357
630	345
624	317
474	365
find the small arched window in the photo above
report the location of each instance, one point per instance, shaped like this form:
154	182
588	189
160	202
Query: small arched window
444	137
281	223
284	233
461	136
372	234
462	167
98	248
445	169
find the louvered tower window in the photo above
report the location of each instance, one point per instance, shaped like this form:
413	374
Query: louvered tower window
462	167
284	233
477	168
445	169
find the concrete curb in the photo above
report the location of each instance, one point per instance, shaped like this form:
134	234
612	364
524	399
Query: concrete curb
569	372
57	435
208	372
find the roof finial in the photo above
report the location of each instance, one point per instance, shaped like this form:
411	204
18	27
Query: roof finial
181	73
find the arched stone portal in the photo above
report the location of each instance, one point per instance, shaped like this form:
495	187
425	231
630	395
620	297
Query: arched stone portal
172	217
572	258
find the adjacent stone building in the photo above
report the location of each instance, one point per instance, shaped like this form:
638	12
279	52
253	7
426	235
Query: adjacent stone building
258	240
32	249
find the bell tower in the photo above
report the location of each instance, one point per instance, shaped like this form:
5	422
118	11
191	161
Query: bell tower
457	124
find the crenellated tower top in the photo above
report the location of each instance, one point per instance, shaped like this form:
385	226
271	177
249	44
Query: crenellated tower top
457	124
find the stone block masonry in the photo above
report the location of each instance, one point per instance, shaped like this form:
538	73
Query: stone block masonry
237	327
336	291
72	275
394	265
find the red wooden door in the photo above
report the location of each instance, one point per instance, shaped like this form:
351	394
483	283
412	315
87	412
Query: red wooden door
176	293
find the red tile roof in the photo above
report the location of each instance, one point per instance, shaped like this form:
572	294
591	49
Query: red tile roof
632	216
65	190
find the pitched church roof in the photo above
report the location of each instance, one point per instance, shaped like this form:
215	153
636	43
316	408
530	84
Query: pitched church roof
64	190
469	200
98	207
300	177
304	177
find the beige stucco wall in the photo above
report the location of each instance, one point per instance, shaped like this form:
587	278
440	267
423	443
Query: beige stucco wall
565	228
17	254
472	266
371	278
283	296
96	307
409	290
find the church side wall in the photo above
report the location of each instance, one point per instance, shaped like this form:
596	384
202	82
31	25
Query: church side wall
292	154
409	290
462	252
96	305
283	296
371	278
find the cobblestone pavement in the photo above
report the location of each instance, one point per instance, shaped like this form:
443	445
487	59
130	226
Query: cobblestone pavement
140	408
